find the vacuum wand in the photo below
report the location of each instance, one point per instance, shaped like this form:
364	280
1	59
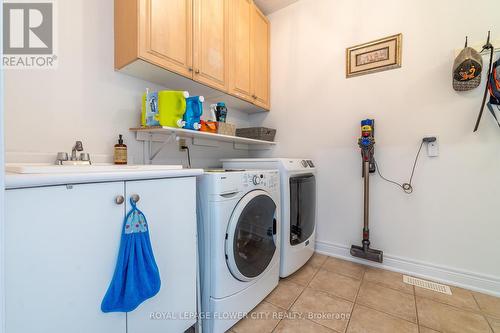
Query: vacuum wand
367	144
366	205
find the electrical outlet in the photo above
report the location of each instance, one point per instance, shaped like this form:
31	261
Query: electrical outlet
182	143
433	147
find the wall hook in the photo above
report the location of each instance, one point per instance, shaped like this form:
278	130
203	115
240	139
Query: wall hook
488	45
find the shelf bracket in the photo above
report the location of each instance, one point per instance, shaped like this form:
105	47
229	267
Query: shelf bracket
152	154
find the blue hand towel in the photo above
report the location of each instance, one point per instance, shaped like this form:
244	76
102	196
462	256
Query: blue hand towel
136	277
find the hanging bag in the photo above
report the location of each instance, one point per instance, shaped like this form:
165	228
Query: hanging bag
136	277
491	48
494	89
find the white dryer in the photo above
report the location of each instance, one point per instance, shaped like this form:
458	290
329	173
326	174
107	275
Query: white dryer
298	206
239	243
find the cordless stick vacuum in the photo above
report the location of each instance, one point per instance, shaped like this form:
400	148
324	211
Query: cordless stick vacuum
367	144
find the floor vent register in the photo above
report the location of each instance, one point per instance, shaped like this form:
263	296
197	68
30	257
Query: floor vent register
440	288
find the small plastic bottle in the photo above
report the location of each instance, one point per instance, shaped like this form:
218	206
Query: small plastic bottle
120	155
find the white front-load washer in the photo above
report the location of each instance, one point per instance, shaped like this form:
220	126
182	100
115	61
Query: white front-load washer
239	243
298	206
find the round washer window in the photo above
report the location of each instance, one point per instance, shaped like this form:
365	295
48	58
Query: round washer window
252	241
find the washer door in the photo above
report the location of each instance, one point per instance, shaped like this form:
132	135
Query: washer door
250	239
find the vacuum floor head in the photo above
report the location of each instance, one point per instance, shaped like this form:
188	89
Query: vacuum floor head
367	254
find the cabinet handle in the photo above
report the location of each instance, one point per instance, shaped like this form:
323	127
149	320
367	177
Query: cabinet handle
135	198
254	96
119	199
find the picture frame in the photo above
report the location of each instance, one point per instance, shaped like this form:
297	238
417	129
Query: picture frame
375	56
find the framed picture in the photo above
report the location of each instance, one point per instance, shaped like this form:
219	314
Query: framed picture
380	55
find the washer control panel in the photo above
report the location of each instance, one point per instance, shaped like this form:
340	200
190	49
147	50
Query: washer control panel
266	179
283	164
257	179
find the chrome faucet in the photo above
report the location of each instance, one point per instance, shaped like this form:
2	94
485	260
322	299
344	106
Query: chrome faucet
83	159
77	147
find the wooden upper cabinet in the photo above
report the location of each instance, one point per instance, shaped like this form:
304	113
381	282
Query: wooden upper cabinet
249	53
240	69
210	43
260	58
166	34
195	44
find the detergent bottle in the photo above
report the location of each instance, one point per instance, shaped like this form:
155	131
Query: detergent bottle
171	108
194	110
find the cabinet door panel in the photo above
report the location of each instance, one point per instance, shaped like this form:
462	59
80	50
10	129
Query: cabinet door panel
260	58
166	34
210	48
61	246
240	49
170	209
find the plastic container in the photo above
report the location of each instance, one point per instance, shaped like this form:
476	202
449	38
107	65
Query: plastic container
208	126
194	110
171	107
221	112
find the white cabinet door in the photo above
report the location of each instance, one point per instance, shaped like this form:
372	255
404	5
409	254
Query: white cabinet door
170	209
61	245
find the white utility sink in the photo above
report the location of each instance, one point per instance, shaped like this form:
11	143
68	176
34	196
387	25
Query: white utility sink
44	168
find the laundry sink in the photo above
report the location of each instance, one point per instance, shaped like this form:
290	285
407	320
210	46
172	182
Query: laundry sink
45	168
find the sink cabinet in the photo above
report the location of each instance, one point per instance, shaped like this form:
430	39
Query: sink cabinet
61	246
170	208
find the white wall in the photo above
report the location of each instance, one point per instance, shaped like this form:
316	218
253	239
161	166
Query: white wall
84	99
451	220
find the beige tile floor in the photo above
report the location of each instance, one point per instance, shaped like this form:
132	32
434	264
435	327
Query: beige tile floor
330	295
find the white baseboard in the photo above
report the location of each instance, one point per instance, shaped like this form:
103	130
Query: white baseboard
468	280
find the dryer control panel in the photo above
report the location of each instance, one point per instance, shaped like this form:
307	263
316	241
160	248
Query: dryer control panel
297	164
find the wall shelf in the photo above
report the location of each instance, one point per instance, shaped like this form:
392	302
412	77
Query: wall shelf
166	135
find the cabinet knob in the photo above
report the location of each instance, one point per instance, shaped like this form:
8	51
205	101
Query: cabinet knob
119	199
135	198
254	96
190	69
197	71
